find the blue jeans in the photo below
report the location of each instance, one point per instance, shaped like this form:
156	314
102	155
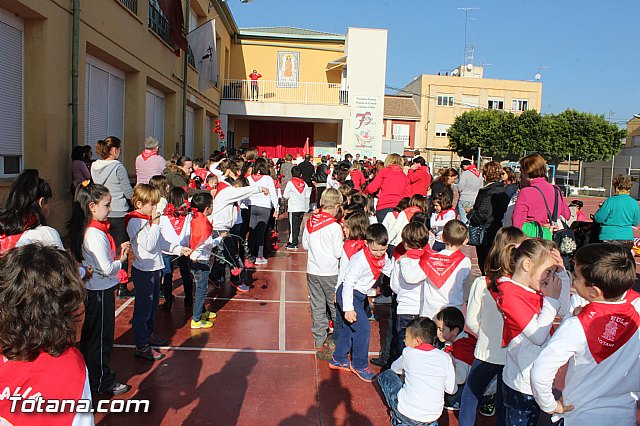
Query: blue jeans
201	275
145	306
461	212
401	330
479	377
354	337
338	324
520	409
390	385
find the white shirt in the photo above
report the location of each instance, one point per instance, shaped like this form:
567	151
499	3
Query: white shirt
170	234
331	182
325	249
148	244
410	296
427	376
202	253
297	201
225	213
358	277
261	200
435	299
602	394
41	234
395	234
388	221
437	225
484	319
97	253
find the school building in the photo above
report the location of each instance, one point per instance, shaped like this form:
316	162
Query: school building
441	98
125	79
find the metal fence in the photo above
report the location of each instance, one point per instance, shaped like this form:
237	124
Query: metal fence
288	92
157	21
132	5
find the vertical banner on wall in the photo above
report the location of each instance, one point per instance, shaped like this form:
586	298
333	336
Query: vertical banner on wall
365	115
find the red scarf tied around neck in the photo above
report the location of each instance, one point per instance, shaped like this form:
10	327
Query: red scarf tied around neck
137	215
410	211
440	216
298	184
473	169
438	267
375	263
148	153
351	247
319	221
201	229
105	227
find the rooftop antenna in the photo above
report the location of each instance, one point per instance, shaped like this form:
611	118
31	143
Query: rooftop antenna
469	48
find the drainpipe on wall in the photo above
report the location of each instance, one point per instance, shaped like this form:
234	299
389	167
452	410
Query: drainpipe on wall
74	72
185	69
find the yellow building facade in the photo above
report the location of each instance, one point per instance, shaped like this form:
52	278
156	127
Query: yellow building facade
441	98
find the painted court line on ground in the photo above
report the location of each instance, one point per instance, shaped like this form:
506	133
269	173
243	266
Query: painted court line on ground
282	331
124	305
232	350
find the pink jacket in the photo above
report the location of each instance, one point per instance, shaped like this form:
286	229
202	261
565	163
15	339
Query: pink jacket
146	169
530	206
393	185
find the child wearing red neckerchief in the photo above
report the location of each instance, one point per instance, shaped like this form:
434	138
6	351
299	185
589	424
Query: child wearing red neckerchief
365	267
529	296
322	237
442	214
441	273
428	374
297	193
459	345
601	344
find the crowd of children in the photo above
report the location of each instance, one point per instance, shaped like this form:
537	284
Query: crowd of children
499	350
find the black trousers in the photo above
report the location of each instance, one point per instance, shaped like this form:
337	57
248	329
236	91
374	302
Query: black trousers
230	251
118	231
295	221
96	341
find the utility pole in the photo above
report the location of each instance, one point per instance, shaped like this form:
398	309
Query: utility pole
469	49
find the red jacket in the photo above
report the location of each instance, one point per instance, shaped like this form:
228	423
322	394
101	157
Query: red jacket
420	179
358	179
393	185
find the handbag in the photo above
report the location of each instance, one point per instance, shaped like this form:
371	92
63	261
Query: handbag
564	237
477	235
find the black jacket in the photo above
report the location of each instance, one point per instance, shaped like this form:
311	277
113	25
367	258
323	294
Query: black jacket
321	173
489	208
308	171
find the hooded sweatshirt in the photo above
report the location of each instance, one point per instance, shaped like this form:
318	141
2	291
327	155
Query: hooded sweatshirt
113	175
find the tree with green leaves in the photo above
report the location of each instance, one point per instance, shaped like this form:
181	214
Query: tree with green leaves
504	135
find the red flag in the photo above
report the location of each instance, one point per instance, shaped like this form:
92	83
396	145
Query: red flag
172	10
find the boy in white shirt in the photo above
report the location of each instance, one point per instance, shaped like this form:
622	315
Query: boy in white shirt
444	273
459	345
443	214
322	237
601	344
297	193
362	273
428	374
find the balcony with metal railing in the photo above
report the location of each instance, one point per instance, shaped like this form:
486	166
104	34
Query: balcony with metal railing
132	5
157	21
285	92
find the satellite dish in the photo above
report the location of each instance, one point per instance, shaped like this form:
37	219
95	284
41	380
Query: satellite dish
469	67
538	76
454	72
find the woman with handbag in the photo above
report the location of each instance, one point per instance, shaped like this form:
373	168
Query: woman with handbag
485	218
537	199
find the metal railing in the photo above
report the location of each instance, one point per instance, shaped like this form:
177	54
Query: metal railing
132	5
287	92
158	22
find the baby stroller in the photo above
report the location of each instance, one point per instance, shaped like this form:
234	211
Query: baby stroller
584	233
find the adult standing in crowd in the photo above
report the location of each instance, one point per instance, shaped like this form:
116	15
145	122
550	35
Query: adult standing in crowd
618	214
285	169
468	186
308	170
391	184
178	175
80	160
489	208
508	177
110	172
530	206
419	177
444	183
150	163
322	173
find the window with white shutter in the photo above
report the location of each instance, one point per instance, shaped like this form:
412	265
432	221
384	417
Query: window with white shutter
154	122
104	102
189	137
401	133
206	150
11	94
442	129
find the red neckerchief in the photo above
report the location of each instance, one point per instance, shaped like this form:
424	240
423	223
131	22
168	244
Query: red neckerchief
201	229
375	263
104	227
410	211
319	220
440	216
137	215
176	219
7	242
608	327
472	168
298	184
351	247
518	306
463	348
400	251
202	173
424	347
256	178
438	267
148	153
395	214
221	187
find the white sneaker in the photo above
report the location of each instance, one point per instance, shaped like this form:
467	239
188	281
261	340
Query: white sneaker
261	261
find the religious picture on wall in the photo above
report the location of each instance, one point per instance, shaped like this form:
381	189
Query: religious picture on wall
288	69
